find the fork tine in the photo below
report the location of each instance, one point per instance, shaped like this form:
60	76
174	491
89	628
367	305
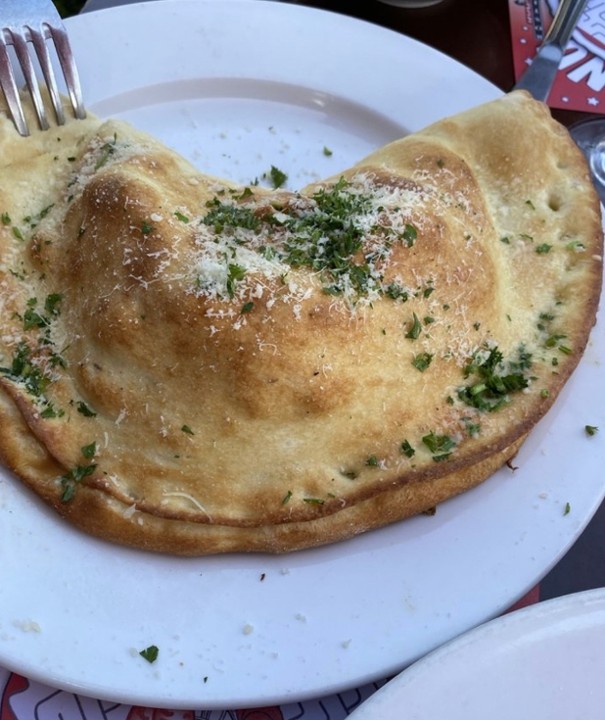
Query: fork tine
9	88
27	67
31	25
43	54
69	69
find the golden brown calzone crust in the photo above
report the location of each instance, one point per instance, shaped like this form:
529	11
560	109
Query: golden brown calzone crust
195	367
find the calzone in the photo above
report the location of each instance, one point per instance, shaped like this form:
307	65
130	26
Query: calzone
192	366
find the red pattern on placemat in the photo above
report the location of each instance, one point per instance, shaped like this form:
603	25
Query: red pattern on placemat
16	684
145	713
266	713
533	596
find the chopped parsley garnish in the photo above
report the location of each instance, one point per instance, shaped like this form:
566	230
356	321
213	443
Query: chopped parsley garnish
34	220
51	303
186	429
544	319
415	328
33	371
107	150
576	245
234	274
422	361
50	411
150	653
72	478
406	449
473	429
313	501
89	451
440	446
247	307
396	292
5	218
591	430
224	217
523	361
179	216
31	318
326	238
146	227
83	409
327	233
327	152
494	379
268	252
277	177
543	249
553	340
287	497
410	234
24	370
75	475
372	461
567	509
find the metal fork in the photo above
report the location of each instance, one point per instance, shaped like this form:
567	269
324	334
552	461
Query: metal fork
27	24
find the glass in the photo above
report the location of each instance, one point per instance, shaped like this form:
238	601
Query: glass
590	138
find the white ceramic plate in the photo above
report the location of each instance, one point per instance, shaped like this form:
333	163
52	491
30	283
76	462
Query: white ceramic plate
238	86
545	661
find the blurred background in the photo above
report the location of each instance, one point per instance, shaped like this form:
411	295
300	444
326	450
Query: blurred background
69	7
